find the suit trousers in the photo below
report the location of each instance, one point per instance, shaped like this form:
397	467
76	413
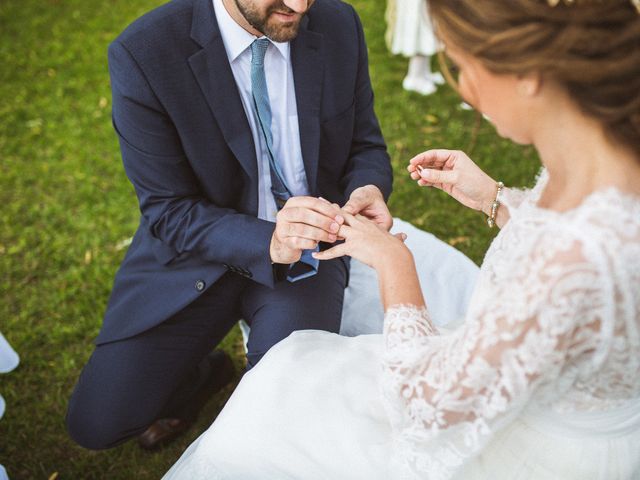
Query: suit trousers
128	384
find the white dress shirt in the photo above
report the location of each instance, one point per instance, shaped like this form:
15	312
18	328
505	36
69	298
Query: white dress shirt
284	111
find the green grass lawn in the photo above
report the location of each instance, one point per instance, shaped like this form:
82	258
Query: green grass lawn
67	208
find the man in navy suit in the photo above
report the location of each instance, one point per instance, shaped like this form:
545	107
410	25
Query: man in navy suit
214	103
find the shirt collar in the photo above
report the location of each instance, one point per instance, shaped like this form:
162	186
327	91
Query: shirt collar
236	39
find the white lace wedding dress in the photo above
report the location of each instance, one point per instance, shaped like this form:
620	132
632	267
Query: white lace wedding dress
541	381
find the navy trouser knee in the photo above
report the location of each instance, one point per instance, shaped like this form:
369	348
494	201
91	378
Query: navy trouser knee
91	430
312	303
128	384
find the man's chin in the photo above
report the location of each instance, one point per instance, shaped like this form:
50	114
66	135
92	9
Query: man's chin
283	31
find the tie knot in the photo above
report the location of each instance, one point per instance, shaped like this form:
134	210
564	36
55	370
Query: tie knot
258	50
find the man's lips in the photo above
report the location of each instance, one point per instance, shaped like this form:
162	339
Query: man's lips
287	17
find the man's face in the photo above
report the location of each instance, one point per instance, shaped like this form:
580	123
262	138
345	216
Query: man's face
277	19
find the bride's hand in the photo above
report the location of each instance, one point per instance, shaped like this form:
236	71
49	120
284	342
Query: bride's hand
455	173
368	243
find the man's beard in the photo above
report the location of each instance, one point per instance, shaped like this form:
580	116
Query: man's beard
277	32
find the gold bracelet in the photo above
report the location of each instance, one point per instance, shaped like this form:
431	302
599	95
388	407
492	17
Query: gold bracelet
491	219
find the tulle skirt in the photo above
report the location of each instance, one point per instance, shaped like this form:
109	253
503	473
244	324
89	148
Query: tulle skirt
312	410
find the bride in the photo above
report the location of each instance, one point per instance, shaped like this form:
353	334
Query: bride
542	380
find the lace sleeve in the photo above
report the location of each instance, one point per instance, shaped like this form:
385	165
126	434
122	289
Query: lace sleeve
530	317
513	198
406	329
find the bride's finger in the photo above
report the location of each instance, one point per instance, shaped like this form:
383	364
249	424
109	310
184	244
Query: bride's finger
344	232
431	158
439	176
424	183
349	219
333	252
417	170
400	236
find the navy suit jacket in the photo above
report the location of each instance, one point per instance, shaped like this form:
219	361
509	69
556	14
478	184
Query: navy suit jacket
188	150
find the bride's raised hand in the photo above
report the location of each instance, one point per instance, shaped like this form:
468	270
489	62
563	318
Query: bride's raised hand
367	242
455	173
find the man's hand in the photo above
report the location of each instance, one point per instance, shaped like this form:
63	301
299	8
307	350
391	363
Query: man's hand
369	202
300	225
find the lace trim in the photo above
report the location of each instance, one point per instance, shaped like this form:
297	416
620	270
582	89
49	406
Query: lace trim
514	198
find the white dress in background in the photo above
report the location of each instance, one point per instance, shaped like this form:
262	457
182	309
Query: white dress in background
541	381
8	361
410	31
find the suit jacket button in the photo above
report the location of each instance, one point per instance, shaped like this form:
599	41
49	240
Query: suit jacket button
200	285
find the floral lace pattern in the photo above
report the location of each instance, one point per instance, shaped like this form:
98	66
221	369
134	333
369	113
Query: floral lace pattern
554	321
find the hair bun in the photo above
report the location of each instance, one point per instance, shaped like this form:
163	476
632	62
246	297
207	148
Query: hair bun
592	52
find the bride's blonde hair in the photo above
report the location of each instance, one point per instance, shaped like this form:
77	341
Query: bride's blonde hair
590	47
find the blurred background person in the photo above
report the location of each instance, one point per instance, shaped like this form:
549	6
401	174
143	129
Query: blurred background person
8	361
410	33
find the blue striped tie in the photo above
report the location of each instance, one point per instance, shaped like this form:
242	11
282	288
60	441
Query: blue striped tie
307	266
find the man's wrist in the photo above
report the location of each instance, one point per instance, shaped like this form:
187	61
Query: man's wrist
375	190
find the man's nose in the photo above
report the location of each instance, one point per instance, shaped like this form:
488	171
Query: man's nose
298	6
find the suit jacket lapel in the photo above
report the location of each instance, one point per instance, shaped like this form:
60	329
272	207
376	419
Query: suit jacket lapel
308	66
213	73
